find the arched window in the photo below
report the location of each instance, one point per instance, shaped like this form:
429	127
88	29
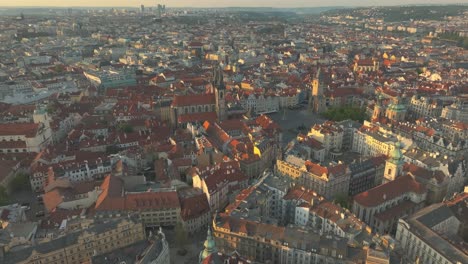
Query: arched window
206	108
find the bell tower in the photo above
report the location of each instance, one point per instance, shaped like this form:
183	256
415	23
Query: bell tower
377	108
220	93
316	94
394	164
209	247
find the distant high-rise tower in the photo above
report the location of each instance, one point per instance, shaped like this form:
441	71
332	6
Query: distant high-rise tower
142	8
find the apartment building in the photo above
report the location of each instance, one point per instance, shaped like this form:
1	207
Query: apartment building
432	235
79	243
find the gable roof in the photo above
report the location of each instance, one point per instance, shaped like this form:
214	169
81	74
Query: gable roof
389	191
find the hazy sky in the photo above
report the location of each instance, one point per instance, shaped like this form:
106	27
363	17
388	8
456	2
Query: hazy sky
219	3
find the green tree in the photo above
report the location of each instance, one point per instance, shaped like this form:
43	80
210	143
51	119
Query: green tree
112	149
125	127
342	200
181	237
20	183
4	199
345	112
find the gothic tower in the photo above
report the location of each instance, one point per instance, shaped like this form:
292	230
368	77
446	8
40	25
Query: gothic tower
316	95
220	93
394	164
377	108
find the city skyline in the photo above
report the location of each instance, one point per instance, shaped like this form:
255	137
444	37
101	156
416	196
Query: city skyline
214	3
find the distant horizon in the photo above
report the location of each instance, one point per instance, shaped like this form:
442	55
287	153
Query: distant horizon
219	3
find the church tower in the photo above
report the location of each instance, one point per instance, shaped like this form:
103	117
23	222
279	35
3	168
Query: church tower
394	164
396	111
377	108
210	247
220	93
316	94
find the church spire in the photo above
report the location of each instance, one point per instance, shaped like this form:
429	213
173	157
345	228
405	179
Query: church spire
218	78
210	246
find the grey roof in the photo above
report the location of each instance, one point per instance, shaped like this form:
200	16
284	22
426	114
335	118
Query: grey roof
417	223
436	216
99	226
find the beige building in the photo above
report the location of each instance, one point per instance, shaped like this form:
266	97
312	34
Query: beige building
421	106
80	242
265	243
372	140
457	111
331	137
26	137
327	181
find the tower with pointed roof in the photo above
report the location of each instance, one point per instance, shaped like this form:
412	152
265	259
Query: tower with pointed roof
220	92
210	250
394	164
377	108
316	95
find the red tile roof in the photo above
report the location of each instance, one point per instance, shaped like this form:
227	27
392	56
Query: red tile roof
389	191
193	207
27	129
424	173
111	197
197	117
12	144
152	200
196	99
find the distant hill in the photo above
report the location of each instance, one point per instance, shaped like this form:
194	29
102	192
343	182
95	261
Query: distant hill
303	10
401	13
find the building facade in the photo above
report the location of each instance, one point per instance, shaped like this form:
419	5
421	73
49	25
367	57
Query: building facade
75	247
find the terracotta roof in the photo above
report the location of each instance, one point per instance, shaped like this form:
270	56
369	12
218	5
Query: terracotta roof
197	117
12	144
193	207
424	173
193	100
300	193
266	122
152	200
317	169
52	199
111	196
27	129
389	191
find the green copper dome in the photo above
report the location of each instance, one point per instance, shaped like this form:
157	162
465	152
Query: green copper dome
210	246
397	106
396	154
